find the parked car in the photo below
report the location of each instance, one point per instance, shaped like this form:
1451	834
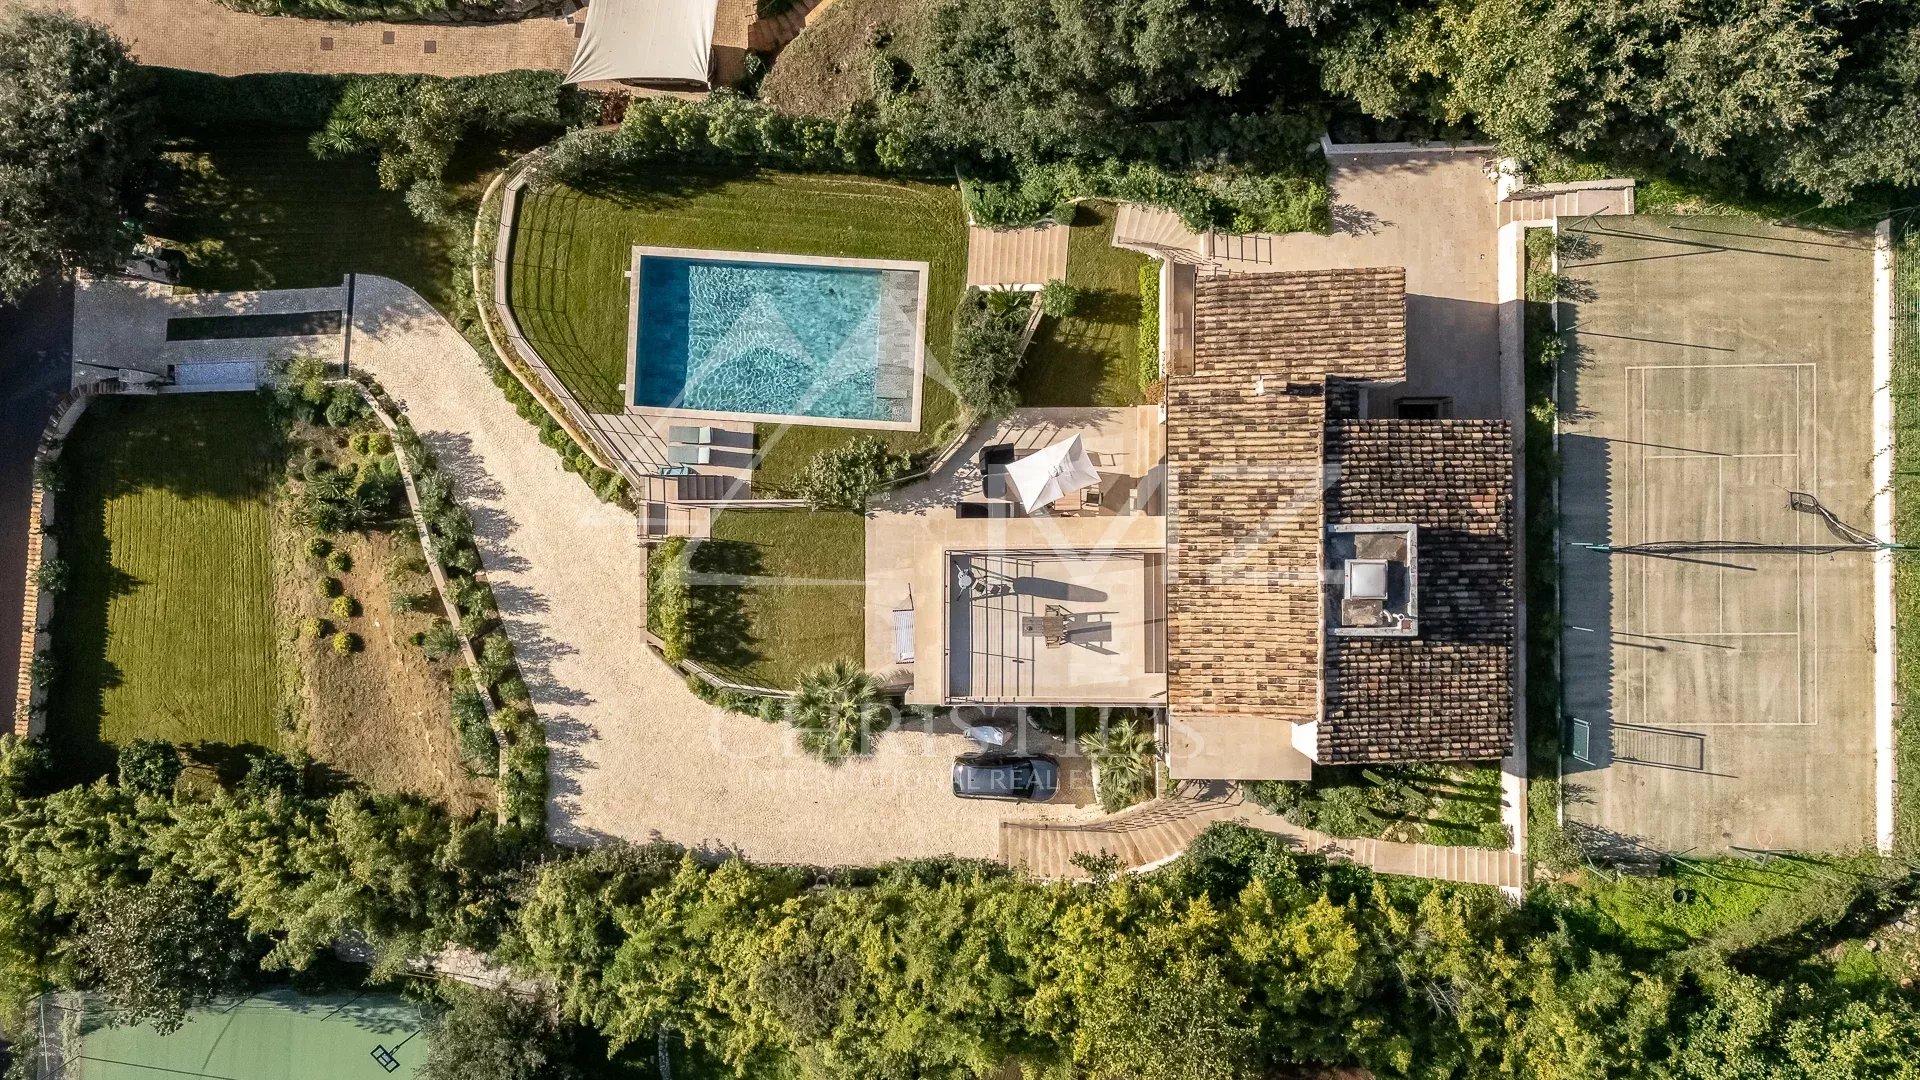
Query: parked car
1011	777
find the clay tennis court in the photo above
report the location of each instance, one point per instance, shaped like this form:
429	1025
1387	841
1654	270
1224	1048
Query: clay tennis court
1718	688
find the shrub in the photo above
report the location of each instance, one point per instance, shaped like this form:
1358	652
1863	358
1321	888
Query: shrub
40	670
844	477
1058	299
48	474
358	442
1148	349
496	656
54	575
404	599
985	357
344	406
440	640
669	597
345	607
513	690
471	596
319	547
313	628
330	587
473	624
345	642
470	721
149	767
339	562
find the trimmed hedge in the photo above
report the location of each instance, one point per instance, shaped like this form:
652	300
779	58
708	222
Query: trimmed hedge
1149	344
669	597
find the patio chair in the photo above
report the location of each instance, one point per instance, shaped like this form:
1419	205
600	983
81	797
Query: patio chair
692	436
689	455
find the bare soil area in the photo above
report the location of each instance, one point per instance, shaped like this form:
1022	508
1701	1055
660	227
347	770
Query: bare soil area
381	714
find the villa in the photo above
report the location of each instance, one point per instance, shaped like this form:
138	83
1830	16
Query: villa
1293	579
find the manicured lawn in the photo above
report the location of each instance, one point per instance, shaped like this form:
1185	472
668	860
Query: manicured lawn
1092	356
167	628
252	208
571	249
776	592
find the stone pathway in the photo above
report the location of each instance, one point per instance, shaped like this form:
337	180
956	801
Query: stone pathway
1160	830
201	35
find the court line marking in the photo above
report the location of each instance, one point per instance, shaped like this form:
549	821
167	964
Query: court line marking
1804	422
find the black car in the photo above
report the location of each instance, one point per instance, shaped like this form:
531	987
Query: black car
1005	776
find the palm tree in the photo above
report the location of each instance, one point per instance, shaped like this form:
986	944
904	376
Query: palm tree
837	706
1120	753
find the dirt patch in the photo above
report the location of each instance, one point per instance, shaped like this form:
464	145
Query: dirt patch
845	55
380	714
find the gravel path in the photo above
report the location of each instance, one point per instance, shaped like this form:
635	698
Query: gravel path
634	754
201	35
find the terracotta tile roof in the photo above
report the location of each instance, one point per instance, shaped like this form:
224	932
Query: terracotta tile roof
1446	694
1244	444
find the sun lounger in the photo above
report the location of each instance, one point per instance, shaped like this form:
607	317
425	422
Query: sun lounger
692	436
689	455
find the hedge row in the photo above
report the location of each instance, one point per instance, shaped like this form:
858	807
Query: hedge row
726	129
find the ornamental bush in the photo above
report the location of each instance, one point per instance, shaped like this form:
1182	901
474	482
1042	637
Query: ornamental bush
1058	299
318	547
149	767
54	575
330	587
844	477
339	562
440	640
346	642
345	607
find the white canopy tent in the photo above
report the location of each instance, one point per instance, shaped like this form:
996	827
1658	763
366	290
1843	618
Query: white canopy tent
648	40
1045	475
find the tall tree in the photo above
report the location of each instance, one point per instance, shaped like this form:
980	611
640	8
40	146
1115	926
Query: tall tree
76	147
159	949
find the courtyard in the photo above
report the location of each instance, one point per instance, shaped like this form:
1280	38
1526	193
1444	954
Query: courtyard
1718	686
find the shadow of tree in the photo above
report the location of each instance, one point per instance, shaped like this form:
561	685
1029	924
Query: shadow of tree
722	633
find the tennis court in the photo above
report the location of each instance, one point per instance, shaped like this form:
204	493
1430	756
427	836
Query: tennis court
277	1035
1718	687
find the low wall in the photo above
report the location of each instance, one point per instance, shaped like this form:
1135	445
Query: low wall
30	701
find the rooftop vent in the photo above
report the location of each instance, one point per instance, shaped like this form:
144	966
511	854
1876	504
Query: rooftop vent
1373	580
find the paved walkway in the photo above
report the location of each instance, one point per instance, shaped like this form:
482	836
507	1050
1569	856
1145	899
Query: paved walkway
1158	831
1431	211
635	755
201	35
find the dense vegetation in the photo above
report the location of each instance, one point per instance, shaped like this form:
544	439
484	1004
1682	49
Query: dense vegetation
1751	100
1238	958
76	148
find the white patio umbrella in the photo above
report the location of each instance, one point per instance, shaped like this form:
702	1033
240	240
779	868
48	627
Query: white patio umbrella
1045	475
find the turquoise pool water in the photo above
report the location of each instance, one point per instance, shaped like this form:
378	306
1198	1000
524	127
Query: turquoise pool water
787	339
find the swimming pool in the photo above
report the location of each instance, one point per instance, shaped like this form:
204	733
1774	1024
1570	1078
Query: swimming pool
777	337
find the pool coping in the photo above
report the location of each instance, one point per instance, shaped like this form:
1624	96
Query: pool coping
921	270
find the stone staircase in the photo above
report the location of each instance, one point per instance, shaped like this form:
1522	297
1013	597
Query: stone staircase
1156	832
1157	232
771	34
1543	204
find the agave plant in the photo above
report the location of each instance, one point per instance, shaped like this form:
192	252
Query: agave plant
837	706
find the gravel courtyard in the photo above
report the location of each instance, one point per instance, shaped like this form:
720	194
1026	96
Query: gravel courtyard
634	754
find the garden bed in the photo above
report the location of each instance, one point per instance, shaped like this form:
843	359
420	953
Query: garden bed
572	247
380	712
166	629
1091	357
1454	805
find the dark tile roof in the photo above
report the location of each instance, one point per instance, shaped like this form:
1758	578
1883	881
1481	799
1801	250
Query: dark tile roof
1244	444
1446	694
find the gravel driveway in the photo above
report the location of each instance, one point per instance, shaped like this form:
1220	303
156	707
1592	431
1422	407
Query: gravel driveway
634	754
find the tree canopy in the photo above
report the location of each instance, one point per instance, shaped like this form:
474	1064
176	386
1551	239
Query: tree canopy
76	148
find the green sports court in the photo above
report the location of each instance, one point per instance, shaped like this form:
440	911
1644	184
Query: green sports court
276	1035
